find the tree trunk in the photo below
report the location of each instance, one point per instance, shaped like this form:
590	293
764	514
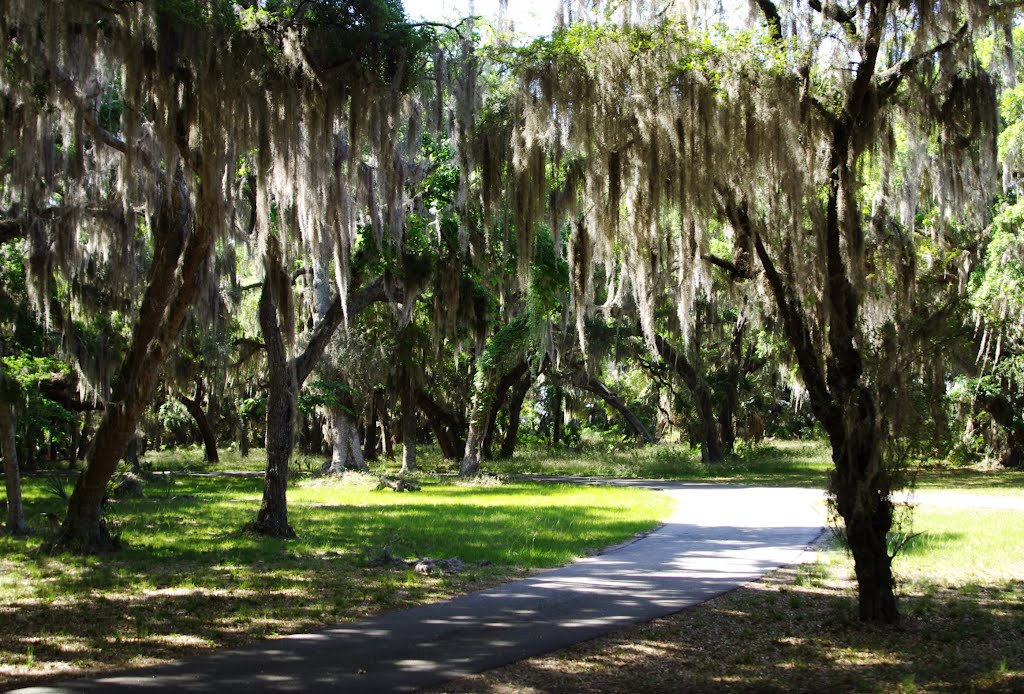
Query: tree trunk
861	488
15	510
371	436
710	438
594	385
346	449
408	423
243	437
448	428
178	270
1007	415
515	416
272	517
730	397
131	454
76	443
194	406
556	415
501	392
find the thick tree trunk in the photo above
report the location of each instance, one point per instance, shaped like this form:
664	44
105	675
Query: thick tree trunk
346	448
861	484
710	439
131	454
194	406
272	517
8	447
1007	414
515	416
178	270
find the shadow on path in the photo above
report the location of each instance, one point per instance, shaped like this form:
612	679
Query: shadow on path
718	538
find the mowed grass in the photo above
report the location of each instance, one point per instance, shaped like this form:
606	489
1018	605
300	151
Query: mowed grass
773	464
961	597
190	580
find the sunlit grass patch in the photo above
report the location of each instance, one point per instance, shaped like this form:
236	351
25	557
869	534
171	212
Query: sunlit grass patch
961	597
189	579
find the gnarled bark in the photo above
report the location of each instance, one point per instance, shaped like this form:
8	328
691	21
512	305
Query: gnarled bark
346	447
178	270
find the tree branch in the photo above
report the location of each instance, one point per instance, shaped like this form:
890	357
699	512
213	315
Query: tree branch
890	80
833	11
324	330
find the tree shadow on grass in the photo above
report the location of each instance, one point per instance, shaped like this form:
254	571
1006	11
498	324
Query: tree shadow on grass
189	581
780	637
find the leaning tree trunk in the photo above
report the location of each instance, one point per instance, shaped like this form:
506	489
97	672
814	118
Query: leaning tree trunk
194	406
501	393
710	437
594	385
8	446
515	416
178	270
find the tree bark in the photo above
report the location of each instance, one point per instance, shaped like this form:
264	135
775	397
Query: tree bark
286	378
194	405
515	412
408	421
501	393
272	517
448	429
371	437
12	475
592	384
703	399
1006	414
346	448
178	270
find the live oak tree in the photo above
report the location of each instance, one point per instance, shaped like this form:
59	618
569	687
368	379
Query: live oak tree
129	121
823	137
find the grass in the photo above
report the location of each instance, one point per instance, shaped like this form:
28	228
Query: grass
777	464
962	602
190	580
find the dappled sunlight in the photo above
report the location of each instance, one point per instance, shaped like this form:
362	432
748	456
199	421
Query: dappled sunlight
190	580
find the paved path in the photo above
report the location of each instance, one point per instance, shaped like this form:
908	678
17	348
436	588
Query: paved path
720	537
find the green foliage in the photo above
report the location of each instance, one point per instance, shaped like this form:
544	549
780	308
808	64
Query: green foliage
334	394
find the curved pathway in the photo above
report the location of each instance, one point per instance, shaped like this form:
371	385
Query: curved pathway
719	537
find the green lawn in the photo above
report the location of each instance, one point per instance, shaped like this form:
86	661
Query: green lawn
190	580
962	630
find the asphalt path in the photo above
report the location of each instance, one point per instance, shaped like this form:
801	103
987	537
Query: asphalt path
719	537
